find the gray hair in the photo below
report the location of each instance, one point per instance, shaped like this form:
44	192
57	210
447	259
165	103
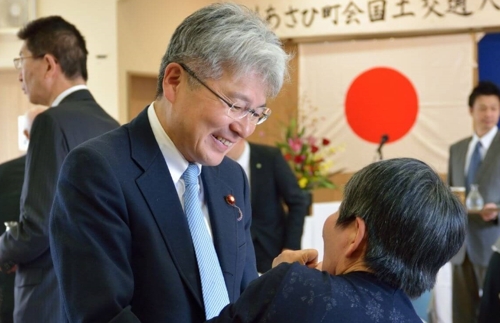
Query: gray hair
227	37
415	224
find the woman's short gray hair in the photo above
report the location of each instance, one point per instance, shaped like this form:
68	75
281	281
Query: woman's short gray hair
227	37
415	224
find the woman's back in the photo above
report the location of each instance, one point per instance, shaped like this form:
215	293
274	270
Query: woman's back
295	293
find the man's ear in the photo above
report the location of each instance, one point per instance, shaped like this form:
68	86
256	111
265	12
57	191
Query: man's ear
357	242
50	65
171	80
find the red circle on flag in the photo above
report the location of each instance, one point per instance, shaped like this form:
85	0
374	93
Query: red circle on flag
381	101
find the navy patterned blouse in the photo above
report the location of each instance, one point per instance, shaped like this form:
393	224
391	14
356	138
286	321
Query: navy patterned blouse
295	293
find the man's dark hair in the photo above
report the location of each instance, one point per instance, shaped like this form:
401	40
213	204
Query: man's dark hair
483	88
414	223
55	36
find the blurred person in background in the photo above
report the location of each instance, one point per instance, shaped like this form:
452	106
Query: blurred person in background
489	311
52	66
279	205
476	160
11	183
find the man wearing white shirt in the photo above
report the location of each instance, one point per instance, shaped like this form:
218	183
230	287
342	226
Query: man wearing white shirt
128	228
52	71
476	160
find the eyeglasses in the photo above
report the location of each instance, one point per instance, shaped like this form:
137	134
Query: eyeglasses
235	112
18	61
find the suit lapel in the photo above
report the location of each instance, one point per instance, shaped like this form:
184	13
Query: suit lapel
254	160
459	163
489	159
223	220
160	194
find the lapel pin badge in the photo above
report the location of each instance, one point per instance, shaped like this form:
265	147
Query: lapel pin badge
232	202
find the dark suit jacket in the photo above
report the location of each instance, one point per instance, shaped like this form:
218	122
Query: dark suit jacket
273	186
11	183
490	301
480	235
121	244
54	133
295	293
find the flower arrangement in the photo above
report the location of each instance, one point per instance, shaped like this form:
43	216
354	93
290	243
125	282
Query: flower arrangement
308	157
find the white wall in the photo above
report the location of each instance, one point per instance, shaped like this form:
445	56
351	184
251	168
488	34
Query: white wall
9	48
144	31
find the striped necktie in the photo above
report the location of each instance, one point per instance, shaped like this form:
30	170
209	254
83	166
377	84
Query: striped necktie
214	289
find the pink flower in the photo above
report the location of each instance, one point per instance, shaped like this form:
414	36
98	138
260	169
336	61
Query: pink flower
295	144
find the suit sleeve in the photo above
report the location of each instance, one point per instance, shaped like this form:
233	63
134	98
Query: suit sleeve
294	199
255	302
11	182
286	293
46	152
489	309
91	242
250	269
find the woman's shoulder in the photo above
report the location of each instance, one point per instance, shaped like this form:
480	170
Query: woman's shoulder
354	297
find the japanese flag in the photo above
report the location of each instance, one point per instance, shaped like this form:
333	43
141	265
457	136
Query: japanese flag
413	91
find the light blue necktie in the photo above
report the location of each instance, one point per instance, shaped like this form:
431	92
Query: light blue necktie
475	162
214	289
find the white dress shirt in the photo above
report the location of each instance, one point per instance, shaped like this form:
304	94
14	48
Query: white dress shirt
176	163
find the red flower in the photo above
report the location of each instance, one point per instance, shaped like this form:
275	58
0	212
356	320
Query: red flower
304	154
299	159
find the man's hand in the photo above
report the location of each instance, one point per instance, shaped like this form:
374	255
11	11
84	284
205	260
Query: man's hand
308	257
489	212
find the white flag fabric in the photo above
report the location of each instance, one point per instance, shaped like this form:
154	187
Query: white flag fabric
438	68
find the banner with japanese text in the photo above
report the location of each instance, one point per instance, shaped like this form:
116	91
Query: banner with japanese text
317	18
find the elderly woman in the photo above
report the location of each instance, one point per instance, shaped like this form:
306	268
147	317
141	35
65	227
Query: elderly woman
397	225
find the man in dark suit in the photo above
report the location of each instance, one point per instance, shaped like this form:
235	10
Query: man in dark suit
125	226
53	73
490	301
273	185
11	183
470	263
